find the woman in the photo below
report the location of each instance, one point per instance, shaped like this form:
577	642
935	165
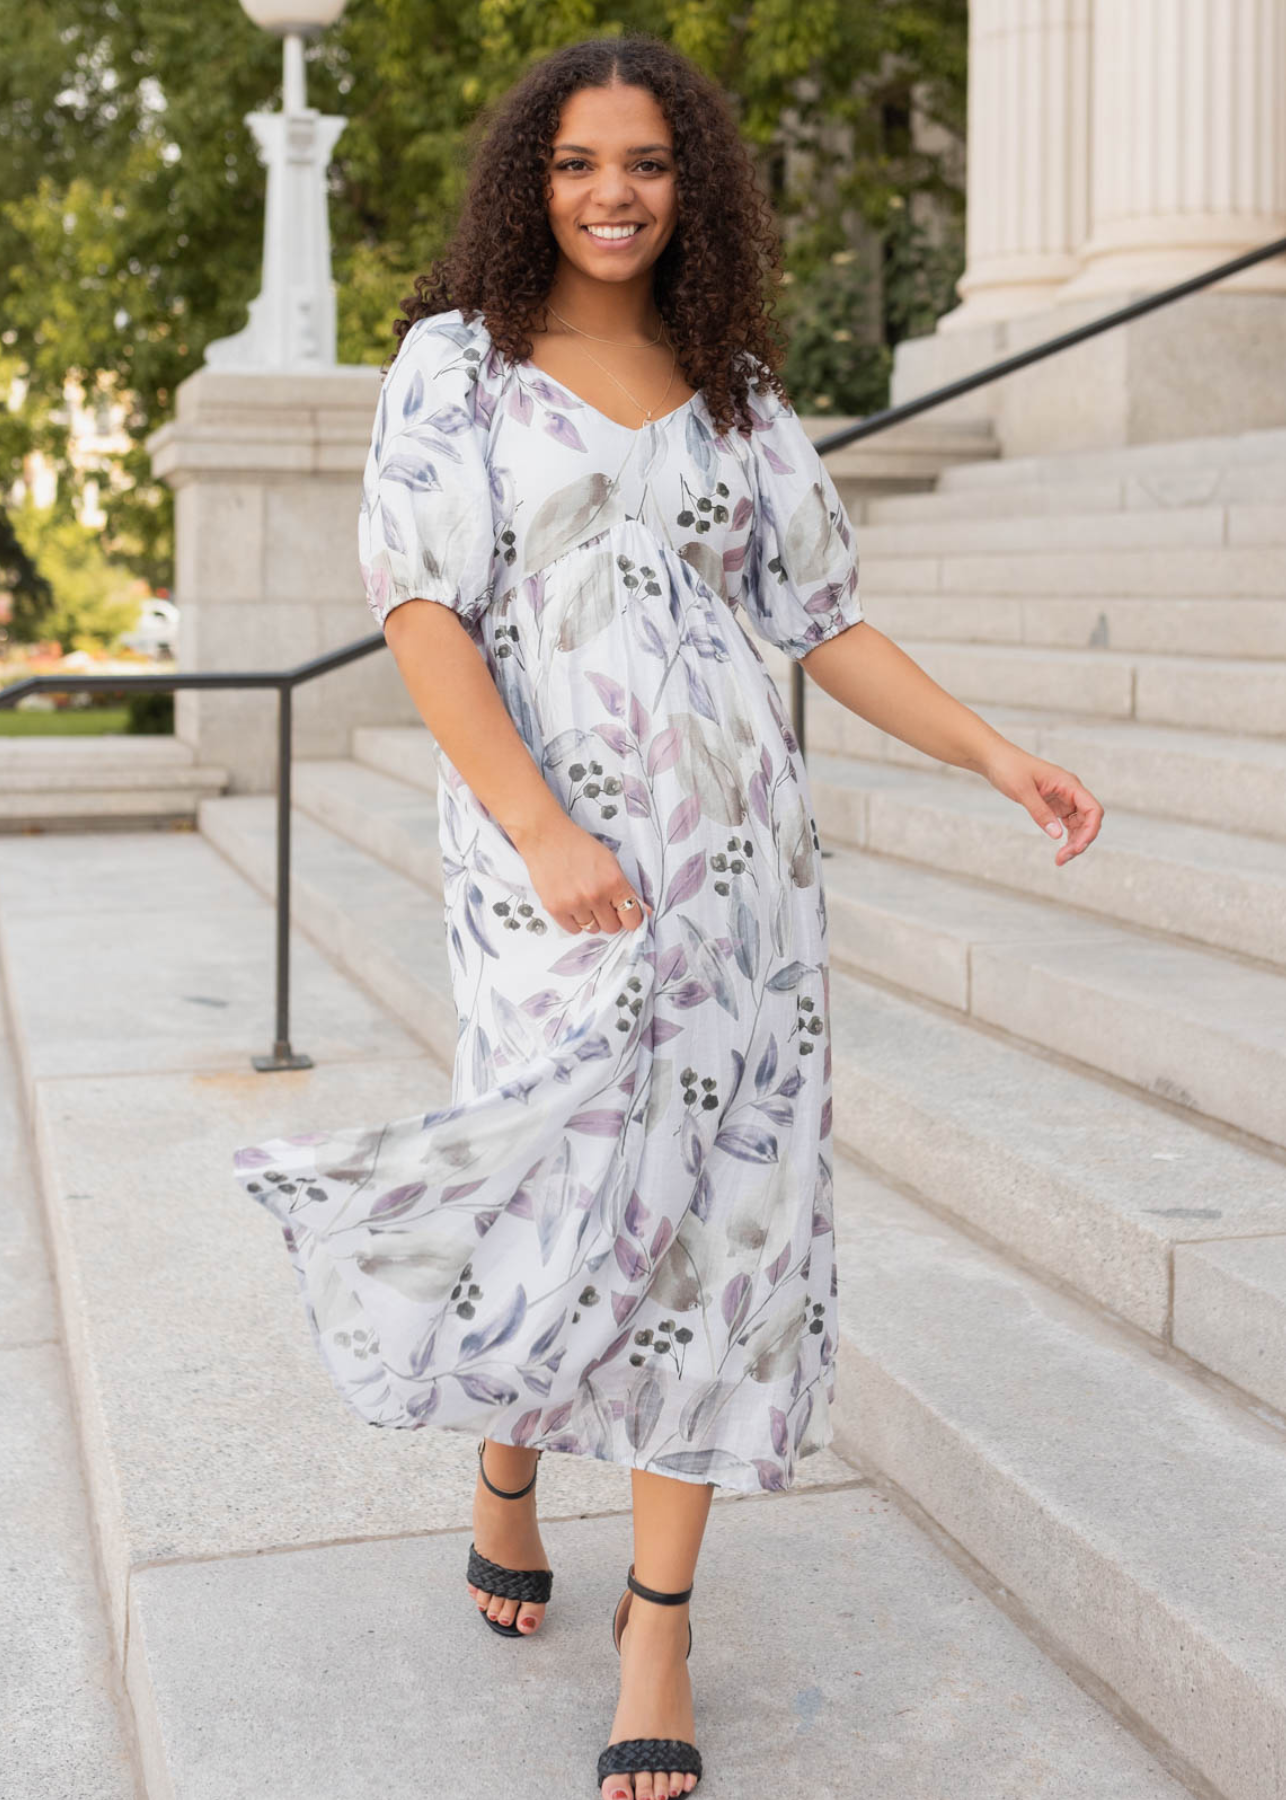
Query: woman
617	1240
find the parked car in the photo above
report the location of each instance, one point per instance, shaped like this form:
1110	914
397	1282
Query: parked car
157	631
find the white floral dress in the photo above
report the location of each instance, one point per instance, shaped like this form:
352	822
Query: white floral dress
617	1239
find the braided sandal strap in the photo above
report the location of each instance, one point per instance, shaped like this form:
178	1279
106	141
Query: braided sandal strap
637	1754
511	1584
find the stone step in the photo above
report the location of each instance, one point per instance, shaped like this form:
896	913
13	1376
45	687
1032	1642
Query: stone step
113	780
961	1407
1227	572
1215	888
1246	485
1203	777
1201	694
1133	1513
1178	459
1096	529
336	891
1254	629
1111	1236
1085	1184
1201	1029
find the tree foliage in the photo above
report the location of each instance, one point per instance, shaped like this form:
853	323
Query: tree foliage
131	194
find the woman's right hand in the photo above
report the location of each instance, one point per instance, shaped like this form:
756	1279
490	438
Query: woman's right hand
577	878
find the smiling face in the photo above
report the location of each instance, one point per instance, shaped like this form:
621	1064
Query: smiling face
612	201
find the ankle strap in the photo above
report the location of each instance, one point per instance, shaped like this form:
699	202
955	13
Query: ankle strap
506	1493
647	1593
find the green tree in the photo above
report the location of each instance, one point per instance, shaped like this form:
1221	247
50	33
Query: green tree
92	600
131	195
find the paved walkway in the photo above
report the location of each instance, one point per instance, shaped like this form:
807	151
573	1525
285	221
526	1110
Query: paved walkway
283	1589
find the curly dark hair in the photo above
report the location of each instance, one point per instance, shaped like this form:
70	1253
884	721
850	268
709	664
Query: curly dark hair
711	281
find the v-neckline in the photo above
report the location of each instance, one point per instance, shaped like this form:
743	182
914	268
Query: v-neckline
633	430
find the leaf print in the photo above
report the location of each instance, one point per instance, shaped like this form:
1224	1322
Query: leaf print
623	1306
636	1215
706	561
699	693
774	1344
770	1476
560	427
692	1146
548	1337
707	962
615	737
610	692
639	719
687	879
591	604
683	820
568	515
675	1283
789	978
554	394
702	1196
397	1201
552	1199
613	1350
519	404
701	1409
475	918
745	939
767	1065
777	463
664	1232
707	771
796	839
807	547
736	1298
413	472
642	1410
747	1143
523	1432
487	1389
501	1329
779	1264
413	398
710	1464
777	1424
664	752
631	1259
599	1122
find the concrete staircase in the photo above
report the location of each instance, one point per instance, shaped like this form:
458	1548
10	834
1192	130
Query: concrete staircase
63	783
1060	1093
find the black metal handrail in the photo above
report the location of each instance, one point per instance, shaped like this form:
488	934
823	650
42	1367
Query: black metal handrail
287	680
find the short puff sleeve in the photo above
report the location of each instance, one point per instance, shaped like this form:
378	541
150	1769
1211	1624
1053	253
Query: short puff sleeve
425	526
800	585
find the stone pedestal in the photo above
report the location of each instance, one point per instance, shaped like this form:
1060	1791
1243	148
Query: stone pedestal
1117	147
267	472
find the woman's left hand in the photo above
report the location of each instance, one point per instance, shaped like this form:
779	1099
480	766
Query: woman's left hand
1052	796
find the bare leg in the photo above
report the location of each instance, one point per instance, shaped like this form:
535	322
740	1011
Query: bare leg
505	1531
656	1692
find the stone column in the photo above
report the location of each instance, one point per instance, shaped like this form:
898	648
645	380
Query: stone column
1028	165
267	472
1189	143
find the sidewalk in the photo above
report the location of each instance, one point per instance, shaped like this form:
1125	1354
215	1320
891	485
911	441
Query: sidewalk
285	1589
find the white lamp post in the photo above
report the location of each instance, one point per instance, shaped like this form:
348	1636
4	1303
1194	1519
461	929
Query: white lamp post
292	320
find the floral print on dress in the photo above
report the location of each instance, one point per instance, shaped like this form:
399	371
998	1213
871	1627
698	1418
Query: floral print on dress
617	1238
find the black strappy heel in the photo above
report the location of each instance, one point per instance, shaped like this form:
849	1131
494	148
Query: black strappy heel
634	1755
494	1578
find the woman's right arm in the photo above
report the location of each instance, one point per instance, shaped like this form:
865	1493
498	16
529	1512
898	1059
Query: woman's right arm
575	875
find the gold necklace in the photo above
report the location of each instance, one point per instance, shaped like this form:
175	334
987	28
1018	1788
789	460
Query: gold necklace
602	340
647	411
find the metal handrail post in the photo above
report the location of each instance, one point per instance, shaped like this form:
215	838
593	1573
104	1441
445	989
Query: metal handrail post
282	1056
